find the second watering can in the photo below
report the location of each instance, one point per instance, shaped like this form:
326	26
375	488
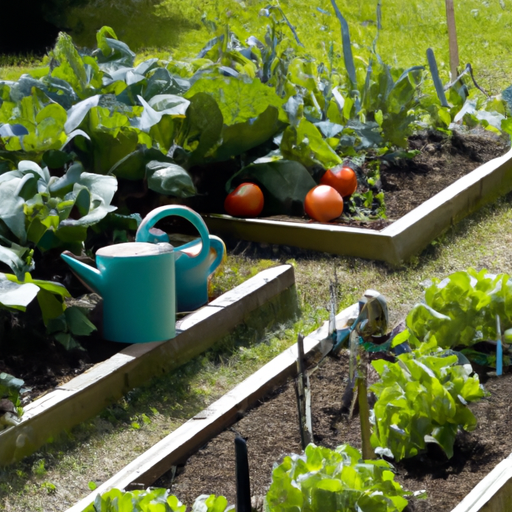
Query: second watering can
136	282
195	261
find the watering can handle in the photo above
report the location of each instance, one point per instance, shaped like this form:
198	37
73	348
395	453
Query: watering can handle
220	249
143	234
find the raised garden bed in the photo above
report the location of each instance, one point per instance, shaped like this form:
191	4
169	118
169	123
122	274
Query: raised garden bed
271	431
260	302
174	448
404	236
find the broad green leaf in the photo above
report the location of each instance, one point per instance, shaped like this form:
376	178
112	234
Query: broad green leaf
306	145
284	184
110	50
17	257
241	137
162	82
77	112
50	286
201	130
11	207
17	296
112	139
445	437
51	306
78	323
239	99
169	179
169	104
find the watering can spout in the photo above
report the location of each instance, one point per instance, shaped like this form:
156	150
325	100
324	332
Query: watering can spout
89	276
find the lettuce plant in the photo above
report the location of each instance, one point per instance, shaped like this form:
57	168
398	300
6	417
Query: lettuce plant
421	398
461	310
153	500
324	480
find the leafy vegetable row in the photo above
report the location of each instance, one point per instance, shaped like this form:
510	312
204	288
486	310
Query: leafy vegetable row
320	480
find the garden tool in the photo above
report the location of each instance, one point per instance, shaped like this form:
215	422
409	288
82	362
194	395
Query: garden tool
136	282
373	317
195	261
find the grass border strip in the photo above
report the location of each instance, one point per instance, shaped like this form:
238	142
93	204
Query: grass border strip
394	244
190	436
87	394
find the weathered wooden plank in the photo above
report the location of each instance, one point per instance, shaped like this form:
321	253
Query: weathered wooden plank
493	493
414	231
194	433
89	393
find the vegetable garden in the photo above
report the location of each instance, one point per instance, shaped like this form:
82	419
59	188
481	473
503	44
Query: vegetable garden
252	127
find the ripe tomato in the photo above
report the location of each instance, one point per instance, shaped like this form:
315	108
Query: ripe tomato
323	203
343	179
245	201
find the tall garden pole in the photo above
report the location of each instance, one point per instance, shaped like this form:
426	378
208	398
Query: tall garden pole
452	39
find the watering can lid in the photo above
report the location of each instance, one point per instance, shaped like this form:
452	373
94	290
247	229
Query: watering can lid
131	249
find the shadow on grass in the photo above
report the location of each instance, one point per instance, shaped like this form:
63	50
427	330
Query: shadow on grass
141	24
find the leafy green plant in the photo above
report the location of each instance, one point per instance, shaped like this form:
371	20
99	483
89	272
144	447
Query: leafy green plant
46	211
153	500
11	388
461	310
421	398
324	480
61	322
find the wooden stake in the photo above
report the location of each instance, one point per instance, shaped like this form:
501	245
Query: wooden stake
452	39
364	415
303	394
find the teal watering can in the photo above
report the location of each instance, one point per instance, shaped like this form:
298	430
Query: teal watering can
136	282
195	261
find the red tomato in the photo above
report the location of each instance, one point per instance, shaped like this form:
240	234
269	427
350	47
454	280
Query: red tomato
323	203
245	201
343	179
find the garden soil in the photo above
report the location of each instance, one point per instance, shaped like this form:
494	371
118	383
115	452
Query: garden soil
271	432
409	182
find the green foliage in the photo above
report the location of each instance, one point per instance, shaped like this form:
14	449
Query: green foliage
11	388
321	480
154	500
461	309
39	210
422	398
324	480
61	322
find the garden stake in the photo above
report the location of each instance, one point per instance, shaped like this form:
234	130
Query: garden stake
243	484
452	39
499	348
372	320
303	394
364	412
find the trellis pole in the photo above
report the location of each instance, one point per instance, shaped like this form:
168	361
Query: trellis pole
452	40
